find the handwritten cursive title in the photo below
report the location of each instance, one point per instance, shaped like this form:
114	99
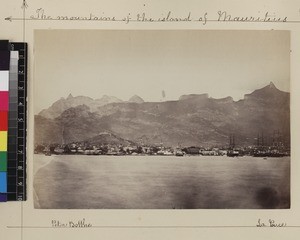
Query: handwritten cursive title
168	16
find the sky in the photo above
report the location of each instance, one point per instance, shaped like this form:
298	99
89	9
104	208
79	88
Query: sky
157	65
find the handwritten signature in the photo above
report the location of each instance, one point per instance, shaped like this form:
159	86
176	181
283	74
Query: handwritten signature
71	224
270	223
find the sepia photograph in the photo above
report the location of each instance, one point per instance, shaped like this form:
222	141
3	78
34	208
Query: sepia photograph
161	119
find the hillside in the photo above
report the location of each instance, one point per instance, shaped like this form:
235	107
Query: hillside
63	104
194	119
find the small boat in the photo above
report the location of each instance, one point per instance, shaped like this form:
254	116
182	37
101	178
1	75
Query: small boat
179	153
233	153
48	153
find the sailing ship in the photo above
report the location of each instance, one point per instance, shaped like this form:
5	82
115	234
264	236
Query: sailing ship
232	152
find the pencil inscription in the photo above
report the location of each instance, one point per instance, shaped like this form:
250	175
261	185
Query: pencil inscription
270	223
71	224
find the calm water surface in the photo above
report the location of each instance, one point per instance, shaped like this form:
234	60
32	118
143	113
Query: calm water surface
160	182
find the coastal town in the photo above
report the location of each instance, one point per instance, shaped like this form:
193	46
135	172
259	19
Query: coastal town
276	149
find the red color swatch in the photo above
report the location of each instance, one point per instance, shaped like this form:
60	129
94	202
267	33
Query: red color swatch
3	121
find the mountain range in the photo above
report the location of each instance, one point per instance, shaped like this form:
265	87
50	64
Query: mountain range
192	120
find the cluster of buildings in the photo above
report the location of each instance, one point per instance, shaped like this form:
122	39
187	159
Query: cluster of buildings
105	149
119	150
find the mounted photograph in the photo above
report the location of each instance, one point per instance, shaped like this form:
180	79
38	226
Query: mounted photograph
161	119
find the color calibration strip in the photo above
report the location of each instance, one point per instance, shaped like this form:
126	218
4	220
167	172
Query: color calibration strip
12	127
4	100
13	94
17	123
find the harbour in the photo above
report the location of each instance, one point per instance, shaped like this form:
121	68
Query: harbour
161	182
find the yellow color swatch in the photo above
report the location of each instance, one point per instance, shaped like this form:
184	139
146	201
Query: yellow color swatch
3	141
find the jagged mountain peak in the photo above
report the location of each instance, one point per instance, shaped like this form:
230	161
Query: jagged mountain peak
136	99
272	85
268	92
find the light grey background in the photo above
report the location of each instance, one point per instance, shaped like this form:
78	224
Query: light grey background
123	63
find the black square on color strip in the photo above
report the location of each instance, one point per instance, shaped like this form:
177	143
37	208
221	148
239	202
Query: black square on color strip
11	197
12	147
12	181
20	133
12	165
4	60
4	45
12	155
11	188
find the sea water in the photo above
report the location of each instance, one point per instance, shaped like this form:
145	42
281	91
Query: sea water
160	182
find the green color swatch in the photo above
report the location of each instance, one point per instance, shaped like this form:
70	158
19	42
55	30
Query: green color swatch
3	161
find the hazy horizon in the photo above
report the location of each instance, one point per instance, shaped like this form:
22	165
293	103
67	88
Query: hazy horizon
124	100
157	65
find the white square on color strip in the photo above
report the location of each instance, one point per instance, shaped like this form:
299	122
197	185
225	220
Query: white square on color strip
4	79
14	54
